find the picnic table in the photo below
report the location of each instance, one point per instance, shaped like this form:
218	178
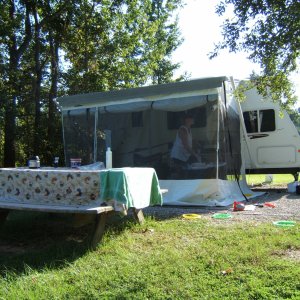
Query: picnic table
79	191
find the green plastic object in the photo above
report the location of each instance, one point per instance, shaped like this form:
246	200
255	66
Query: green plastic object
285	223
222	216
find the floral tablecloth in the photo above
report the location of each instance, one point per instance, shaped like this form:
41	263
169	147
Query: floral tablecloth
122	188
50	186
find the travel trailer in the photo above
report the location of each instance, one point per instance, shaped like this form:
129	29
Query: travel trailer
271	143
140	126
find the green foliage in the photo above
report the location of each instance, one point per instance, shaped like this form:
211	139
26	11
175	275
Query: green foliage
268	31
52	47
295	117
110	46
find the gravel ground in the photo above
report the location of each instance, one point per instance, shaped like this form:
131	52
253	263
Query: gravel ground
287	207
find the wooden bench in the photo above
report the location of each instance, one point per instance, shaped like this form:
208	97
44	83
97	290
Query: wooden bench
101	213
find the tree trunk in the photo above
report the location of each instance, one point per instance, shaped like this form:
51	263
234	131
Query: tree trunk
54	46
10	132
15	54
37	85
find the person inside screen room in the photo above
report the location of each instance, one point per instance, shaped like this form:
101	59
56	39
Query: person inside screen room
182	152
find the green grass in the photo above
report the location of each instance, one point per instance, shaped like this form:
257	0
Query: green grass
176	259
277	179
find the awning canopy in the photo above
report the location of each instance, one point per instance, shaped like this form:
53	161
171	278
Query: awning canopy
204	86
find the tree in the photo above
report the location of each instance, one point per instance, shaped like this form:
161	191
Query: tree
167	36
30	33
120	44
15	37
50	23
52	47
269	31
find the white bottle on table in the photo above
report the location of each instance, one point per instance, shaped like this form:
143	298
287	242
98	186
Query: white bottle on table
108	158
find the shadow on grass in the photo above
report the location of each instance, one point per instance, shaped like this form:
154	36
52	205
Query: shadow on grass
43	240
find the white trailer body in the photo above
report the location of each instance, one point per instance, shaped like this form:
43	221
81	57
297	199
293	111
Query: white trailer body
271	143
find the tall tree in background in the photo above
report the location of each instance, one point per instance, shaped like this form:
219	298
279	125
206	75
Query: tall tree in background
52	47
15	37
38	68
120	44
51	18
56	31
269	31
167	36
35	74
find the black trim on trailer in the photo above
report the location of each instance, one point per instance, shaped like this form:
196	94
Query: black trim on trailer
257	136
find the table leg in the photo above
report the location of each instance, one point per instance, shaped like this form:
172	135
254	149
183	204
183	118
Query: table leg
139	216
99	230
3	215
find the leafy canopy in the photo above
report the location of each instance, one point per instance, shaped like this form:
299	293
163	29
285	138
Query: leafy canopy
269	30
121	44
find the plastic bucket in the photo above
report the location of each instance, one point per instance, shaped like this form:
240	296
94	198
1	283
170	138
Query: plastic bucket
292	187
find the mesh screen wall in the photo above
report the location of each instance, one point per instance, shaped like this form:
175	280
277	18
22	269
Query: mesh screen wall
145	136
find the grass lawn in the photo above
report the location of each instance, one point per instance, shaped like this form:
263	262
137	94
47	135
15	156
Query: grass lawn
162	259
277	179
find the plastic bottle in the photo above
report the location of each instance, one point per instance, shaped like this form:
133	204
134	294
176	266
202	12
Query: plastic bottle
108	158
56	160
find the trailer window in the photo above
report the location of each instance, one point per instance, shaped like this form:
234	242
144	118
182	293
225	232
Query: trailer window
259	121
250	119
267	120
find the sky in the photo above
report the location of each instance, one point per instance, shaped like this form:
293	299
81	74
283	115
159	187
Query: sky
200	28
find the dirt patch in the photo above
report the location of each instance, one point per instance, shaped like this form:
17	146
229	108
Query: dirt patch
293	255
290	254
